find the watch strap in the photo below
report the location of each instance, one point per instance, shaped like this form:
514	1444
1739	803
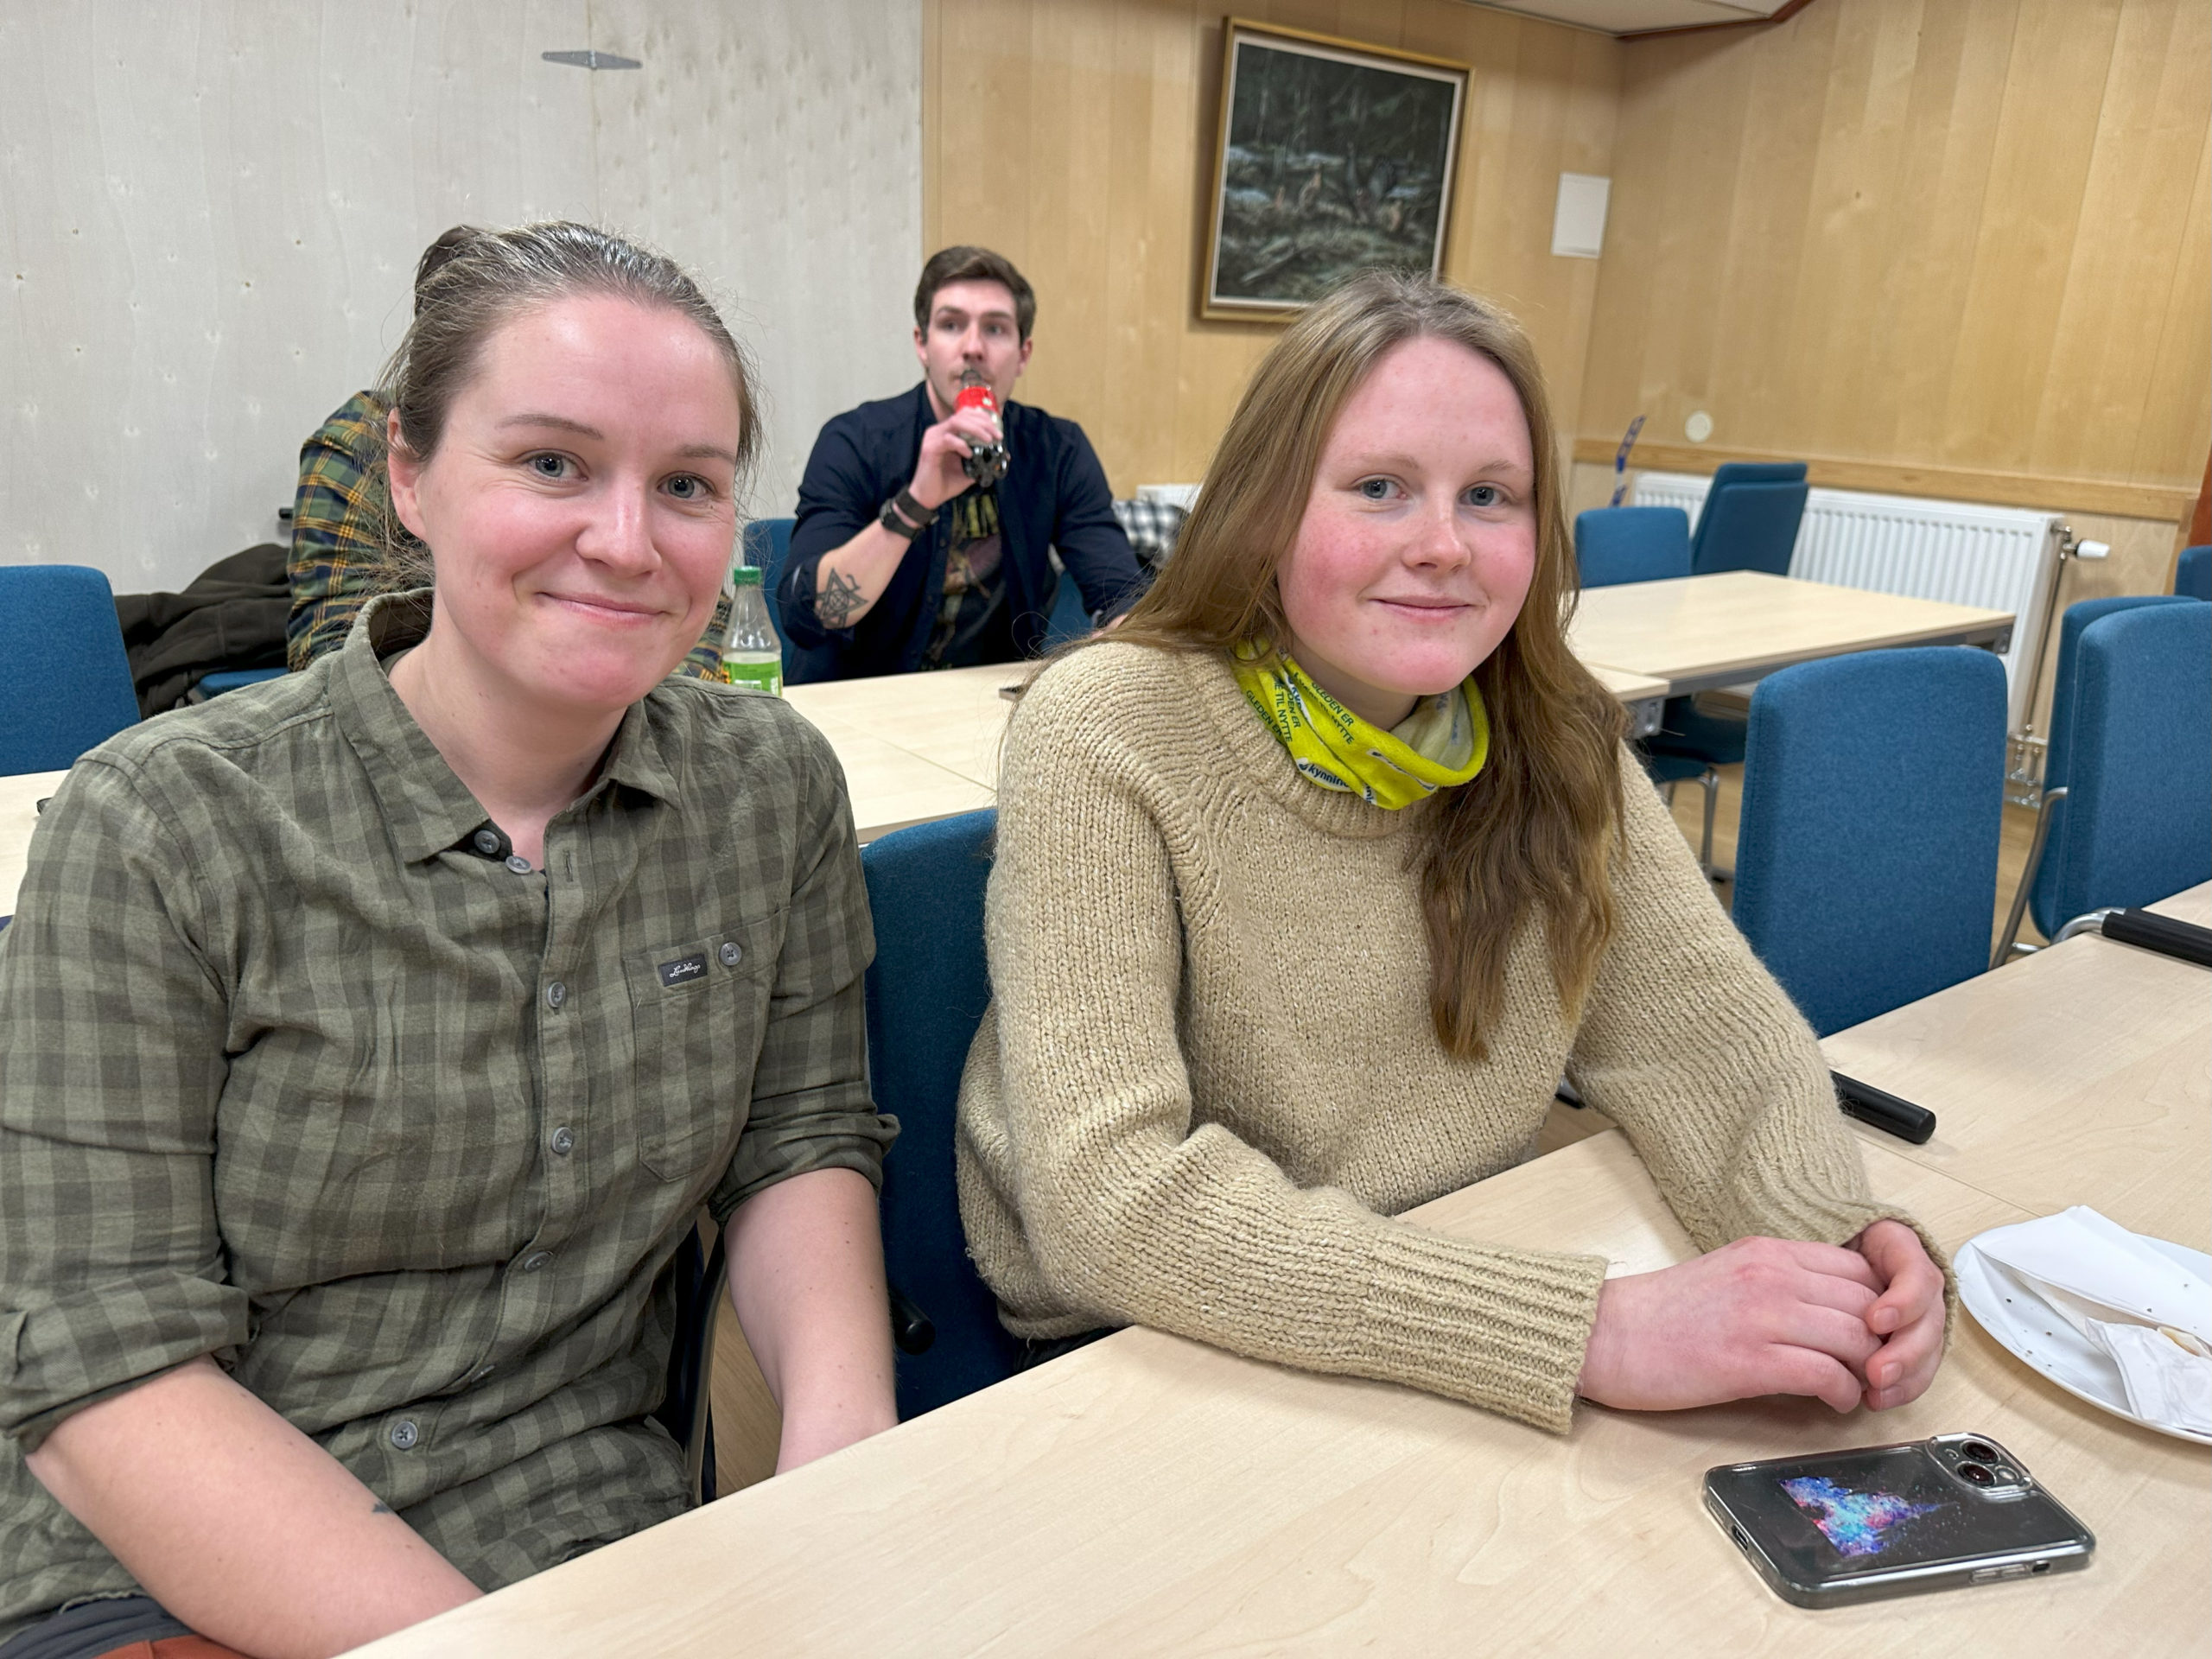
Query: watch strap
890	519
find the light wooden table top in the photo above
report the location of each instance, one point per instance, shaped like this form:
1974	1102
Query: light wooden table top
20	794
1697	632
953	723
2081	1074
953	718
1150	1494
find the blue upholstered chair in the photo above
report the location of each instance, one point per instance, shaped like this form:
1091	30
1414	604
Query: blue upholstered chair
1866	854
2066	684
768	545
687	1398
230	679
1069	621
2057	758
2193	573
1749	522
926	994
2131	744
1750	518
65	683
1617	545
1614	546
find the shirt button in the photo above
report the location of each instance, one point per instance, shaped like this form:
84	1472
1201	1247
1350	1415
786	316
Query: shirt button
730	953
405	1434
555	994
517	863
534	1260
485	842
564	1141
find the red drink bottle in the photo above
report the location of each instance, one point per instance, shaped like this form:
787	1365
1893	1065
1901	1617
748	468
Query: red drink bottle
985	463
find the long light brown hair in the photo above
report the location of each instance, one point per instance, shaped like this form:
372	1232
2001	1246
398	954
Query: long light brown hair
1532	836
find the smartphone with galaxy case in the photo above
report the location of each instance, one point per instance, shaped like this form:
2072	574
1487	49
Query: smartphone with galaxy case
1878	1521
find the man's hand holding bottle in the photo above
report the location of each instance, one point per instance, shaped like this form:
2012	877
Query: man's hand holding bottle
941	470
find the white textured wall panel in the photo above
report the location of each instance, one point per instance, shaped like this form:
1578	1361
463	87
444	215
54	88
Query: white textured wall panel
210	213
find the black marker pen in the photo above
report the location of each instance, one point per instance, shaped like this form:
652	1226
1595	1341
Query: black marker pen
1884	1111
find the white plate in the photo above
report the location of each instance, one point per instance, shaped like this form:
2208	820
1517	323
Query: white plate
2038	1338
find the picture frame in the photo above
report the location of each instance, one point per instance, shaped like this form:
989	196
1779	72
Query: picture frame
1329	156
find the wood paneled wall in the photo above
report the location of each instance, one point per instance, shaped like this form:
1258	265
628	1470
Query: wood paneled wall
210	214
1074	136
1953	247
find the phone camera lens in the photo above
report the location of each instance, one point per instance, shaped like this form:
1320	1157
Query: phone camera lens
1977	1449
1977	1473
2008	1475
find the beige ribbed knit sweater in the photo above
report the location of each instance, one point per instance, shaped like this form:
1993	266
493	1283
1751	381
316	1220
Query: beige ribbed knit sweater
1208	1078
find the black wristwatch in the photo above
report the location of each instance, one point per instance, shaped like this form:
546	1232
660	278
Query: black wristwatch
905	516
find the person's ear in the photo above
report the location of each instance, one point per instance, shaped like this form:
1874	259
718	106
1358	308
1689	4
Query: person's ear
403	469
1021	361
921	348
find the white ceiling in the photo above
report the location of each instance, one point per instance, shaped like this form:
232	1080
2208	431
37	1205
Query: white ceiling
1631	16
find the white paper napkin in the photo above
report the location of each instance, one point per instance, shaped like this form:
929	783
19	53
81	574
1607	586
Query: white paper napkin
2151	1314
2166	1382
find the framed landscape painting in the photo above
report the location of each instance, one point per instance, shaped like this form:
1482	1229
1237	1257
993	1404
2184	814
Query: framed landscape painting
1331	157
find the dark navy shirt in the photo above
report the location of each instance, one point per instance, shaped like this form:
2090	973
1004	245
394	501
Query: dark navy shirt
1054	495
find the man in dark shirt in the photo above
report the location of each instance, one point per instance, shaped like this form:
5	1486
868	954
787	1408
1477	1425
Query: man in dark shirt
899	559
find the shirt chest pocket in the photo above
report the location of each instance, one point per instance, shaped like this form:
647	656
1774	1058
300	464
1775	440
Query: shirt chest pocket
697	1010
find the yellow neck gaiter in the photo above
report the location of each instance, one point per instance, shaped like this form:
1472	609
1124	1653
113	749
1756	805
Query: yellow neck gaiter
1444	741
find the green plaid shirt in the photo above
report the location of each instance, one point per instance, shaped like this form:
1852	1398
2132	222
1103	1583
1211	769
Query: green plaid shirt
298	1070
340	518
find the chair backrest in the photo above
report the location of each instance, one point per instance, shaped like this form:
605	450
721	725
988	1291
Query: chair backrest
926	994
65	682
1750	518
2193	573
2136	824
1866	855
1069	621
687	1397
2057	749
1617	545
768	543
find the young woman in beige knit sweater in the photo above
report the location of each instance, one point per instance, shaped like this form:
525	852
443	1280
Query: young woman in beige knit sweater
1312	880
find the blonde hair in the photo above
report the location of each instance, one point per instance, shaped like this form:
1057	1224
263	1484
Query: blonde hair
1533	834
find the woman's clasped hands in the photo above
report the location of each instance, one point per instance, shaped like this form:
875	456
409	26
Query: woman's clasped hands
1846	1324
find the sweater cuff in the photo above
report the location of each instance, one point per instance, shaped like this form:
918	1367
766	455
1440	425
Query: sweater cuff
1505	1329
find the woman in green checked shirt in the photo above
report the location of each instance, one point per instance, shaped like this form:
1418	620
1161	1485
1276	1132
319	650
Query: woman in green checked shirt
369	1039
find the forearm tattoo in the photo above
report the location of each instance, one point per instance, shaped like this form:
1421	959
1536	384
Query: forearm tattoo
839	597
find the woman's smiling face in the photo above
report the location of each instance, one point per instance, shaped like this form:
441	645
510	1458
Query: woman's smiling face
579	506
1419	539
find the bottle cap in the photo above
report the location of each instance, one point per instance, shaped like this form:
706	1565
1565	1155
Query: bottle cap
745	575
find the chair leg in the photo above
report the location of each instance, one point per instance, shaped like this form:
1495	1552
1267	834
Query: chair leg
2010	943
1667	793
699	1448
1709	781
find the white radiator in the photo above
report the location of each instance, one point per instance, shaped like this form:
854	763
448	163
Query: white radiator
1999	557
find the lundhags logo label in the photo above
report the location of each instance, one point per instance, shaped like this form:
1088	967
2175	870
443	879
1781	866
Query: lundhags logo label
683	970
